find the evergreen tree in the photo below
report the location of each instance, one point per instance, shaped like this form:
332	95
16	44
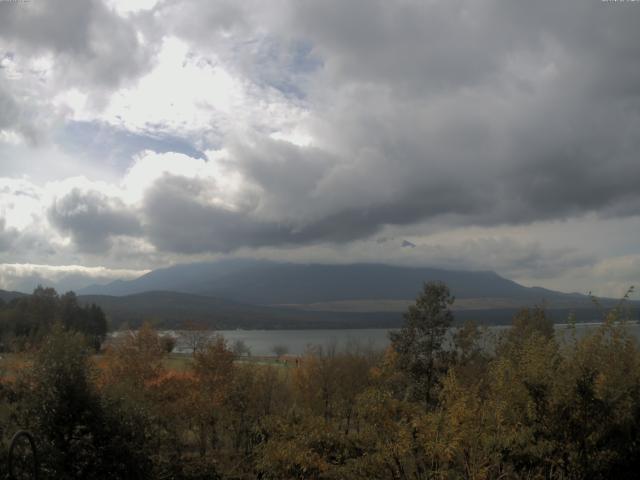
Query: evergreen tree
419	342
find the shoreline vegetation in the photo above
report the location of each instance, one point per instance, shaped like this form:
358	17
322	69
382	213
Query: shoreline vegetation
532	406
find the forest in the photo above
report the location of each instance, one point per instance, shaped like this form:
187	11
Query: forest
26	320
431	406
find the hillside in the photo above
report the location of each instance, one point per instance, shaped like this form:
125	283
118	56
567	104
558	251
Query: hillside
172	309
270	295
271	283
7	296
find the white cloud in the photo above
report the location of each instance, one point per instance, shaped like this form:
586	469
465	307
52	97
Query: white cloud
25	277
54	271
149	166
20	202
128	7
181	94
195	94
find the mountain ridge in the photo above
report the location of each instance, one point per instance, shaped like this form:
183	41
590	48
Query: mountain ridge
170	310
7	295
243	293
272	283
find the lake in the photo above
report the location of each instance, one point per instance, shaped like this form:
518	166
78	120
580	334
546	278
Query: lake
262	342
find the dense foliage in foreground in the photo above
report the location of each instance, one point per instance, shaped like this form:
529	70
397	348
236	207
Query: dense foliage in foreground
530	407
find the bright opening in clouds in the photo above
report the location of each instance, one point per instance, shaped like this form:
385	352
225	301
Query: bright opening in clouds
487	134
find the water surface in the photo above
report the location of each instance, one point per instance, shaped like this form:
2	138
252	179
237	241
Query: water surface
263	342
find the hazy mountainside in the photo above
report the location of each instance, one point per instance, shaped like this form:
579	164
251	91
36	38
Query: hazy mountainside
271	283
263	294
186	278
172	309
8	296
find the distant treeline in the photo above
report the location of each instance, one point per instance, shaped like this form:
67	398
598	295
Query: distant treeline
26	320
169	310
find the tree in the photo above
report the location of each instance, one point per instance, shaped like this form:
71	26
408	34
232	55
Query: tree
532	320
213	369
80	436
329	383
240	348
134	358
96	328
168	343
419	342
27	321
195	336
89	320
62	404
213	364
280	350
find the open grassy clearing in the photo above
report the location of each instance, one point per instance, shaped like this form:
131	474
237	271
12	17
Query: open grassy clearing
181	362
12	363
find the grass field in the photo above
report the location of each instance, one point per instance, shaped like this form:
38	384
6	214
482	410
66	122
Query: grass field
12	363
181	362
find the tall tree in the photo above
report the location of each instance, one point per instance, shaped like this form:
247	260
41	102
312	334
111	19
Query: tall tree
80	436
213	369
134	358
195	335
419	342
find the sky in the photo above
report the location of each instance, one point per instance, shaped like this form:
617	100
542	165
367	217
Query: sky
464	134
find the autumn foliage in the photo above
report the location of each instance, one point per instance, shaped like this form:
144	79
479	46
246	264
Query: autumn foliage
531	403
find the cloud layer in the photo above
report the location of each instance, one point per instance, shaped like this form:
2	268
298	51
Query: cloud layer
306	127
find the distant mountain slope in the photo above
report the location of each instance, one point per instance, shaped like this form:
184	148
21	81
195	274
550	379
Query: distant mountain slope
8	296
188	278
271	283
171	309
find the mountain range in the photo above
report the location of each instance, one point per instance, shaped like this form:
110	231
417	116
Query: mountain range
244	293
272	283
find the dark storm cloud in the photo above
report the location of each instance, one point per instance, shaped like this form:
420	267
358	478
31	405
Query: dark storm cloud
92	45
92	218
179	216
480	112
448	45
499	112
16	115
80	44
472	112
178	219
516	258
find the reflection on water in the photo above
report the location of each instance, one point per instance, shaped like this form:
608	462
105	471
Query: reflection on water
262	342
